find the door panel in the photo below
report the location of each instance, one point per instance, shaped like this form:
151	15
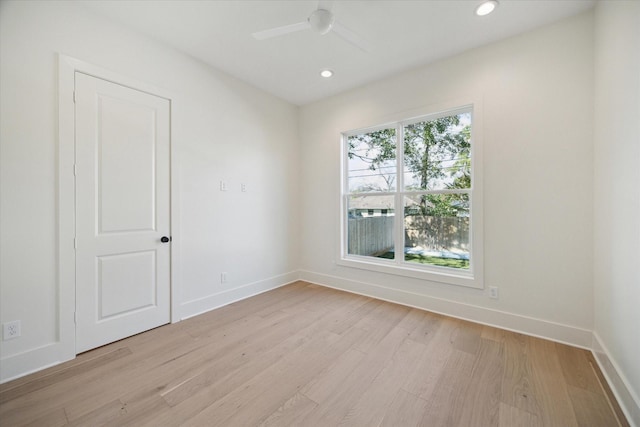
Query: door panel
116	273
126	161
122	211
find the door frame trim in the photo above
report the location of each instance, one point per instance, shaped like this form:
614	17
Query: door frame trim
67	67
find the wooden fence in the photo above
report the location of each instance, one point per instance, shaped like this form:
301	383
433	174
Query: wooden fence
374	235
434	233
370	235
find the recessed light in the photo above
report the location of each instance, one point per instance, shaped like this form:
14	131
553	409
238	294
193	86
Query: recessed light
486	7
326	73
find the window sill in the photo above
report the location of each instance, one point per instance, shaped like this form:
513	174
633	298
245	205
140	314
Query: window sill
432	274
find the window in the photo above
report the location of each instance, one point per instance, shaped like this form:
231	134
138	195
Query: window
410	198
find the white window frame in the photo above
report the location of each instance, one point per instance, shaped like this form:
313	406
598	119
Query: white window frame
472	277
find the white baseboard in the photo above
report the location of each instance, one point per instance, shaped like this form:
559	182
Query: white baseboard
211	302
626	397
565	334
28	362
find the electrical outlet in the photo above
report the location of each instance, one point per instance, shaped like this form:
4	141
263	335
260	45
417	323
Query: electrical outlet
223	277
243	187
493	292
11	330
223	186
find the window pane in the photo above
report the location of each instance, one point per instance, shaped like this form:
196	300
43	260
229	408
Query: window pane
436	230
437	153
370	226
372	161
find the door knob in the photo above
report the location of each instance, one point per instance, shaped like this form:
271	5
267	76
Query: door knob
165	239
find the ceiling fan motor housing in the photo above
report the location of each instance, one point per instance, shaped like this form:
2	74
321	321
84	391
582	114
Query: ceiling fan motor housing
321	21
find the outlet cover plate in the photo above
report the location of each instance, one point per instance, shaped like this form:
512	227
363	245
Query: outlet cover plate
11	330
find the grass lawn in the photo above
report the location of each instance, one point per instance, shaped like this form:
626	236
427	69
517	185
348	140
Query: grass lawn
431	260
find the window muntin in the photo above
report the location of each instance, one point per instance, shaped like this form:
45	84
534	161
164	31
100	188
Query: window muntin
421	169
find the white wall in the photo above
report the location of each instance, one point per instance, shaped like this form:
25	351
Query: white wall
537	93
537	97
617	197
222	129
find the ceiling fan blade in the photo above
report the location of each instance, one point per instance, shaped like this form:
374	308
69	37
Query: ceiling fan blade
279	31
351	37
325	4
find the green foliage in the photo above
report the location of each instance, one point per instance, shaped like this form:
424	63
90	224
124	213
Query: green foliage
438	205
442	262
380	147
431	260
428	144
435	151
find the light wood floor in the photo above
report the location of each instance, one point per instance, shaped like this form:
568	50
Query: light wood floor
310	356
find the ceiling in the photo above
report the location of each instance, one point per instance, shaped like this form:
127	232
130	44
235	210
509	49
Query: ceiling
404	35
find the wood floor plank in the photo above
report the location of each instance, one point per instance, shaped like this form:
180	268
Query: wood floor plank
447	399
591	408
407	409
234	379
412	320
426	328
159	351
322	387
268	390
482	397
188	385
139	407
608	393
218	339
311	356
100	385
55	395
517	379
331	299
378	323
514	417
348	390
372	405
234	358
467	337
429	369
60	375
102	415
166	368
56	418
273	301
291	413
37	376
355	316
549	385
494	334
576	368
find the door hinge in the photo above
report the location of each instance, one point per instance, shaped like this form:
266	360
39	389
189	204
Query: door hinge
74	96
75	170
75	317
75	243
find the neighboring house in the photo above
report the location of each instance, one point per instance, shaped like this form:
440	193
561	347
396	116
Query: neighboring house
362	207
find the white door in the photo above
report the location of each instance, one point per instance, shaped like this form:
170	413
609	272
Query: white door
122	212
